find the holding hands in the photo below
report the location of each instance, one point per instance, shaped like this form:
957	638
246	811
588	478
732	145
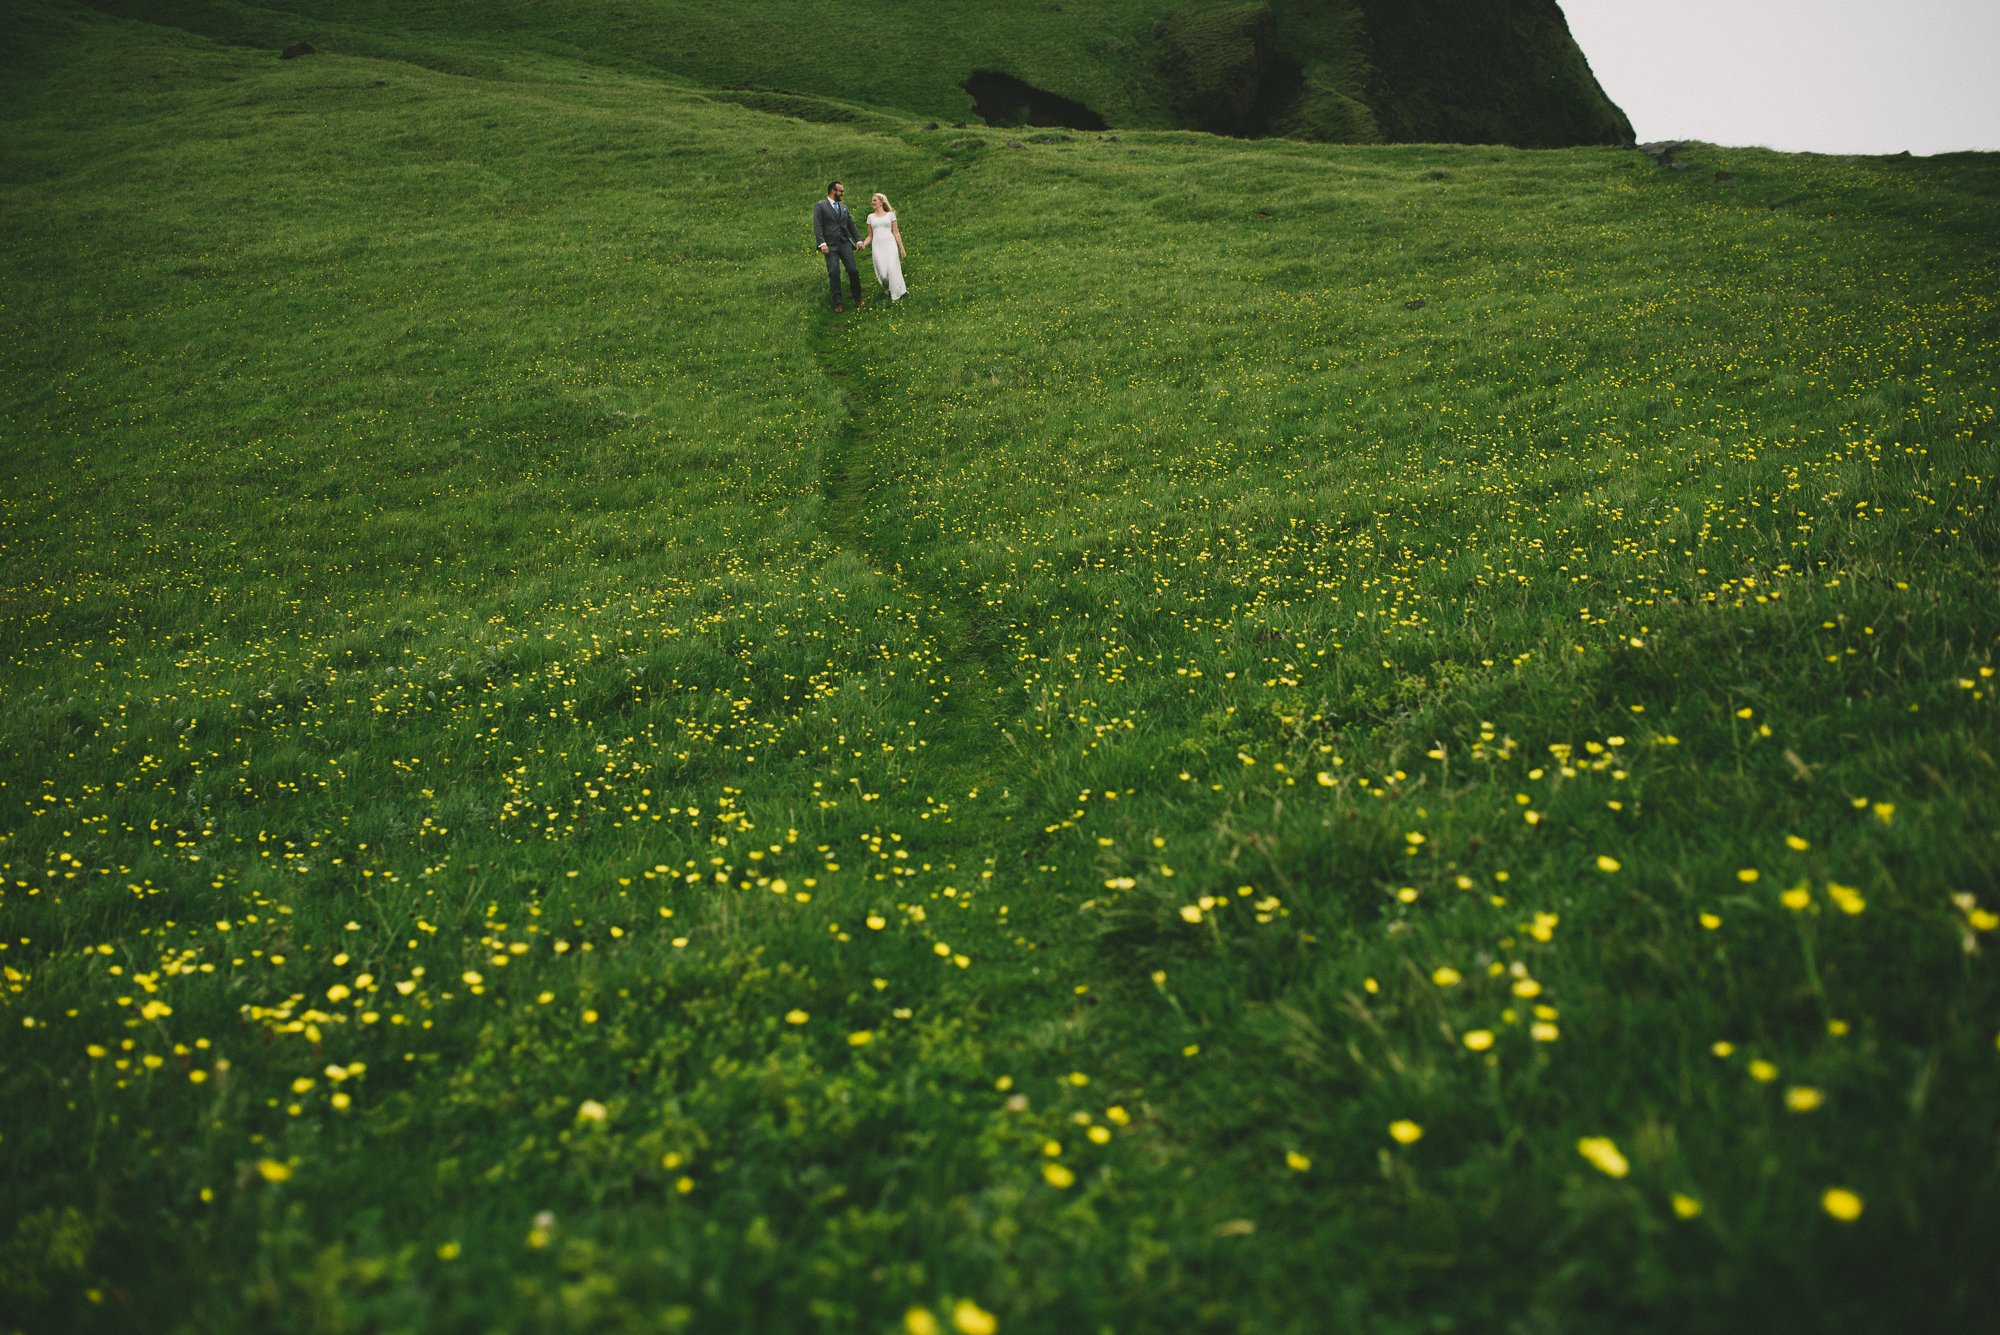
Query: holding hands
832	223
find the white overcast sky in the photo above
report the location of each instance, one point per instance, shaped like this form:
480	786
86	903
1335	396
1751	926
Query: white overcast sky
1817	76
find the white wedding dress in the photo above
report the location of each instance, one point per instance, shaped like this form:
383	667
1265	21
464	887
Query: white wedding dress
888	263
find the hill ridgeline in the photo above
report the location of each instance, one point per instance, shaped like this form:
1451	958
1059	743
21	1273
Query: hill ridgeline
1335	71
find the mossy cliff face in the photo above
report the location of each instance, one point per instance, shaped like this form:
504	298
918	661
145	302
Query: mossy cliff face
1506	71
1498	72
1220	61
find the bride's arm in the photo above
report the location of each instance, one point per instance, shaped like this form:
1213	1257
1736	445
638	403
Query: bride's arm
901	251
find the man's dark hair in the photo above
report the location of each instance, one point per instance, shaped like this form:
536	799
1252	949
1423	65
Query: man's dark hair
830	185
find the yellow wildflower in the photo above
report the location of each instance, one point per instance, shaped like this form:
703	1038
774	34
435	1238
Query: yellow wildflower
1603	1155
969	1318
1803	1098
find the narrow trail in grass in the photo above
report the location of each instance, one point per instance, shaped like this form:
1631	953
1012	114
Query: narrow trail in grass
856	509
977	744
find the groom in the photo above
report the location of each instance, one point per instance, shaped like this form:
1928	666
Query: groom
835	234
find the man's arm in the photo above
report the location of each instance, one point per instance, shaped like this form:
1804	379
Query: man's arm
819	225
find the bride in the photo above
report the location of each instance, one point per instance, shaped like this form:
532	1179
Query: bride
882	235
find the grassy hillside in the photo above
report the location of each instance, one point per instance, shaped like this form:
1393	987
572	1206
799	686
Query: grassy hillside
1379	737
1328	70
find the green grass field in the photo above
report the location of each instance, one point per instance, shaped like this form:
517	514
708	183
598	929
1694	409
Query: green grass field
1304	738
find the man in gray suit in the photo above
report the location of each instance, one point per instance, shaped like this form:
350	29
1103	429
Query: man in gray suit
835	233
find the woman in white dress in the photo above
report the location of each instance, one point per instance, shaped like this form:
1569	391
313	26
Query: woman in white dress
885	241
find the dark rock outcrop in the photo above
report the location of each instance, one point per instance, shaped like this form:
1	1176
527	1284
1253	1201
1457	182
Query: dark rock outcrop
1002	99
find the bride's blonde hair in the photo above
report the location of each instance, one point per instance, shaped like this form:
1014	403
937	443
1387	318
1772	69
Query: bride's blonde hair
887	207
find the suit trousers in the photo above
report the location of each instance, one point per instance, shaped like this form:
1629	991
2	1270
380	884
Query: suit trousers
840	253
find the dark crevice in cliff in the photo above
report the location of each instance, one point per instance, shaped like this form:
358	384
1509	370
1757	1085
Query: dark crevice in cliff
1002	99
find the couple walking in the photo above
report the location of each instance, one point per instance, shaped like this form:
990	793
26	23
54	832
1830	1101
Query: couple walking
837	238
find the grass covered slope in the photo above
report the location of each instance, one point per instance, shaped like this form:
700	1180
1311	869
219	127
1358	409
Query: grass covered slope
1395	737
1326	70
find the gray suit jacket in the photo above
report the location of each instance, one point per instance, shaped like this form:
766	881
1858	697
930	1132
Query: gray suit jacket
833	225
